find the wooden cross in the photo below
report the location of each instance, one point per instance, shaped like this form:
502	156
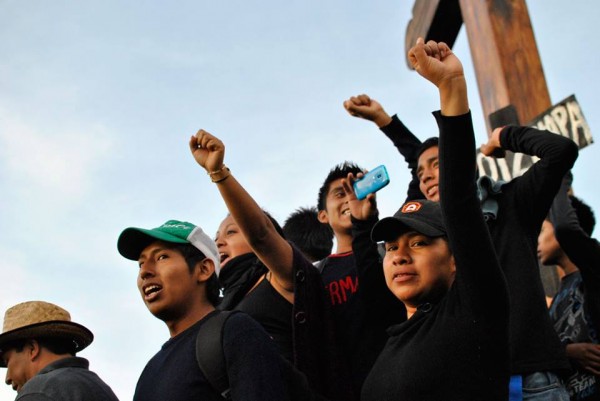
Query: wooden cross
507	64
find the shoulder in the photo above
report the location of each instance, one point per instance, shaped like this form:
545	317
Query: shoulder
36	388
239	321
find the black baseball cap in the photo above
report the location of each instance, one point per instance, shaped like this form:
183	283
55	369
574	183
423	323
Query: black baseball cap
423	216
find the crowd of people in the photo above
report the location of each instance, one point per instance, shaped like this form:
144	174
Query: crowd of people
441	301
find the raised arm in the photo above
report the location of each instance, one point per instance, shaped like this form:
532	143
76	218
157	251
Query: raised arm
272	249
404	140
536	188
478	270
383	308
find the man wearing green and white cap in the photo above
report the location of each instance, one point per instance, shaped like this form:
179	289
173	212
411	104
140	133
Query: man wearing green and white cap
178	267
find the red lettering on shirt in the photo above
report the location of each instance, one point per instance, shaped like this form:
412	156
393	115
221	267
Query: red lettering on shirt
341	290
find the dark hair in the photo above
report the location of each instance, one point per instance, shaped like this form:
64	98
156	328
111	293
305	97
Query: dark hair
313	238
585	214
56	345
340	171
428	143
193	256
278	228
273	221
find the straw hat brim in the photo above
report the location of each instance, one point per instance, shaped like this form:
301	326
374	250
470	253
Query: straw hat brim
57	329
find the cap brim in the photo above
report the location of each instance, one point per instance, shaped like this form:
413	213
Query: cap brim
387	228
133	240
390	228
60	329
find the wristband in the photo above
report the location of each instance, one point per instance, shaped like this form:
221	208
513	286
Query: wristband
220	175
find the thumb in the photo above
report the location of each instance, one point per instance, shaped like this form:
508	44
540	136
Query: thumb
417	54
487	149
193	143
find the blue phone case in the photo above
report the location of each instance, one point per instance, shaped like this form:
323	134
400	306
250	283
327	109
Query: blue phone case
373	181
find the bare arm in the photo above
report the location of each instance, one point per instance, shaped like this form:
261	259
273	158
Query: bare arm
272	249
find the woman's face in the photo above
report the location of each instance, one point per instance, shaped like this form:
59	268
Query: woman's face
230	241
418	268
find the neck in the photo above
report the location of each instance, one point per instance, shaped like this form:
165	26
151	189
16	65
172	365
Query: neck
344	242
566	265
177	326
410	310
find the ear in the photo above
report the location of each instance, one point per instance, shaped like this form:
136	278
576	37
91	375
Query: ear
34	350
322	216
452	266
205	269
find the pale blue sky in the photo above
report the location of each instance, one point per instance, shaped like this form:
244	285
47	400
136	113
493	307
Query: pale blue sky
98	100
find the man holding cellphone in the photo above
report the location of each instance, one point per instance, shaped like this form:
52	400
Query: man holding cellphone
362	306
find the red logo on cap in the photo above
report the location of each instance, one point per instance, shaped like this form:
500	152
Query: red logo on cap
411	207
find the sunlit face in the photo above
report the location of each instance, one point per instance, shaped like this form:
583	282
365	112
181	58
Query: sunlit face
548	249
165	282
428	173
230	241
418	268
337	211
19	368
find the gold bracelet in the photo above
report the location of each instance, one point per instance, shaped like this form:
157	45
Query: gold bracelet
220	175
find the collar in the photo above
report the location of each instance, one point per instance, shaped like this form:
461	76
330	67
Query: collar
68	362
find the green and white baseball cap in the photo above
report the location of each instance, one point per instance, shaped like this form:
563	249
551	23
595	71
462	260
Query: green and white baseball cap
133	240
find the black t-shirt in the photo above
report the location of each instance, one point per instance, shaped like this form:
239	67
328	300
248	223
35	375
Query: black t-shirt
575	307
274	313
340	278
362	306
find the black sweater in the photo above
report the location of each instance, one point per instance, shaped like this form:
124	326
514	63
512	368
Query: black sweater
456	349
522	207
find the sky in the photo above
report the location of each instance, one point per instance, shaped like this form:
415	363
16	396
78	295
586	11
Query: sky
98	100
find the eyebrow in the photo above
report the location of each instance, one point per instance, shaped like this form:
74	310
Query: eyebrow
428	161
338	188
224	229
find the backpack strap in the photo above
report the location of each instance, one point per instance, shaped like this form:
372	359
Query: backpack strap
210	355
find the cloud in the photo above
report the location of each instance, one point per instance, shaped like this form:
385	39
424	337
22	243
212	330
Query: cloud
59	163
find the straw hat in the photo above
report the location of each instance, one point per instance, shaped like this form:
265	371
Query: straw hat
42	319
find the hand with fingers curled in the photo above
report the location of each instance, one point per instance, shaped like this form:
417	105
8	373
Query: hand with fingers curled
587	355
209	152
435	61
493	146
363	106
359	209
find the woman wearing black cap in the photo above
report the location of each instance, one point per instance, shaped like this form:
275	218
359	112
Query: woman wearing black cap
440	263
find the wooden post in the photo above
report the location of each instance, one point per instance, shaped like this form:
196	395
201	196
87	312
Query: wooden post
505	56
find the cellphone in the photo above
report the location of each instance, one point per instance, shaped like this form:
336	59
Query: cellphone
371	182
